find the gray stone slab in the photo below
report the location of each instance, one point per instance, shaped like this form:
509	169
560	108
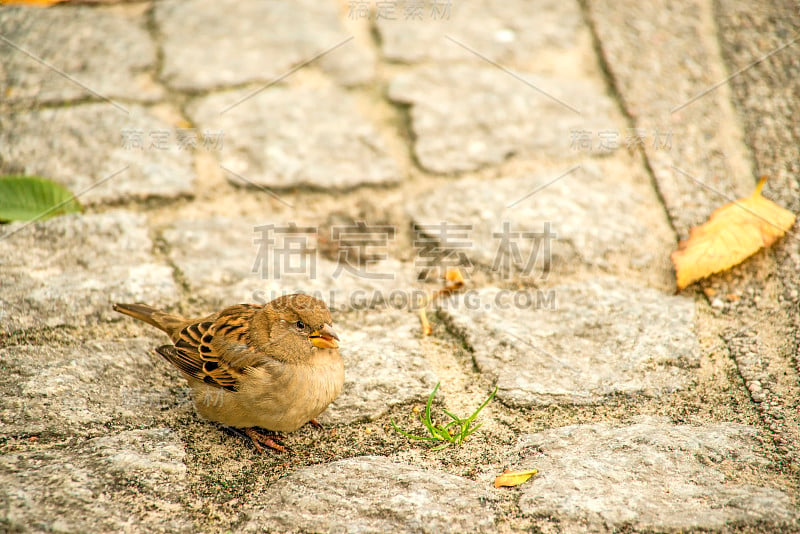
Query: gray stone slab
78	390
690	133
502	31
385	365
69	270
372	494
101	153
125	482
465	117
46	55
746	33
283	138
263	42
578	343
217	257
153	457
591	213
651	475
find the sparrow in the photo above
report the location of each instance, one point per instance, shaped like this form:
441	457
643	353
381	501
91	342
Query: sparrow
274	366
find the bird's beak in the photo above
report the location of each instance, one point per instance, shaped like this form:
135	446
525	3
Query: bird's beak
324	338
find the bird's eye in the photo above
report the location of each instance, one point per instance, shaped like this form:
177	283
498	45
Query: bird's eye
300	325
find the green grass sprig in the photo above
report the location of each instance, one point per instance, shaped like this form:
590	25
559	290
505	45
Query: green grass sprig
453	433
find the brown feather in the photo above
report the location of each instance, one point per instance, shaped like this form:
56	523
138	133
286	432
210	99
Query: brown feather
165	322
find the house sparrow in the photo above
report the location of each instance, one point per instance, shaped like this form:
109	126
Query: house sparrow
275	366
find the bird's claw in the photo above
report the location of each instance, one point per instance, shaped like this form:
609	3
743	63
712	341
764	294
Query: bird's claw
258	439
315	423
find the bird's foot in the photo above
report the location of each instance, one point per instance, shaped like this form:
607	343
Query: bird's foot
270	440
315	423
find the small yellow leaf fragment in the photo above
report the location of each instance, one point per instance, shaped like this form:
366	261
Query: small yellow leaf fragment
513	478
732	234
453	281
454	278
425	324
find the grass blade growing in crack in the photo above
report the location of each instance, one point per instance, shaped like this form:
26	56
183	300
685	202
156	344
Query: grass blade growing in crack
463	426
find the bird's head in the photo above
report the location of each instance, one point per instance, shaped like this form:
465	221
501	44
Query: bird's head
298	325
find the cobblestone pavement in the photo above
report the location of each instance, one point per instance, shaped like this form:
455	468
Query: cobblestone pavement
226	152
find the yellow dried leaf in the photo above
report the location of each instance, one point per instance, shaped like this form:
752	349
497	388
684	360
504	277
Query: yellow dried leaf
733	233
34	3
513	478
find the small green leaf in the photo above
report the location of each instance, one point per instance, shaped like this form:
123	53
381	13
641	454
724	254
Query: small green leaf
455	418
472	417
406	434
28	198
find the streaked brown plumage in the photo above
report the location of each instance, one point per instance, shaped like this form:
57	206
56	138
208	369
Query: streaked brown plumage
275	366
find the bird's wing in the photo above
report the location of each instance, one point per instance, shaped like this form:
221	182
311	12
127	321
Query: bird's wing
215	351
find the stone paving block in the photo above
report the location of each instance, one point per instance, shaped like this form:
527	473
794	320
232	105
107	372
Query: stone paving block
68	271
591	213
746	32
125	482
691	135
217	257
77	390
46	59
502	31
651	475
263	42
592	340
385	365
282	138
465	117
372	494
101	153
151	457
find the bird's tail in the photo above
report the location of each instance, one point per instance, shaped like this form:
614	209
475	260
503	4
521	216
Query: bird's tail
161	320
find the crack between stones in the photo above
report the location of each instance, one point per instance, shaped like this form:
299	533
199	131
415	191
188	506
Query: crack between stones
402	111
460	337
616	95
406	130
155	34
769	413
160	251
